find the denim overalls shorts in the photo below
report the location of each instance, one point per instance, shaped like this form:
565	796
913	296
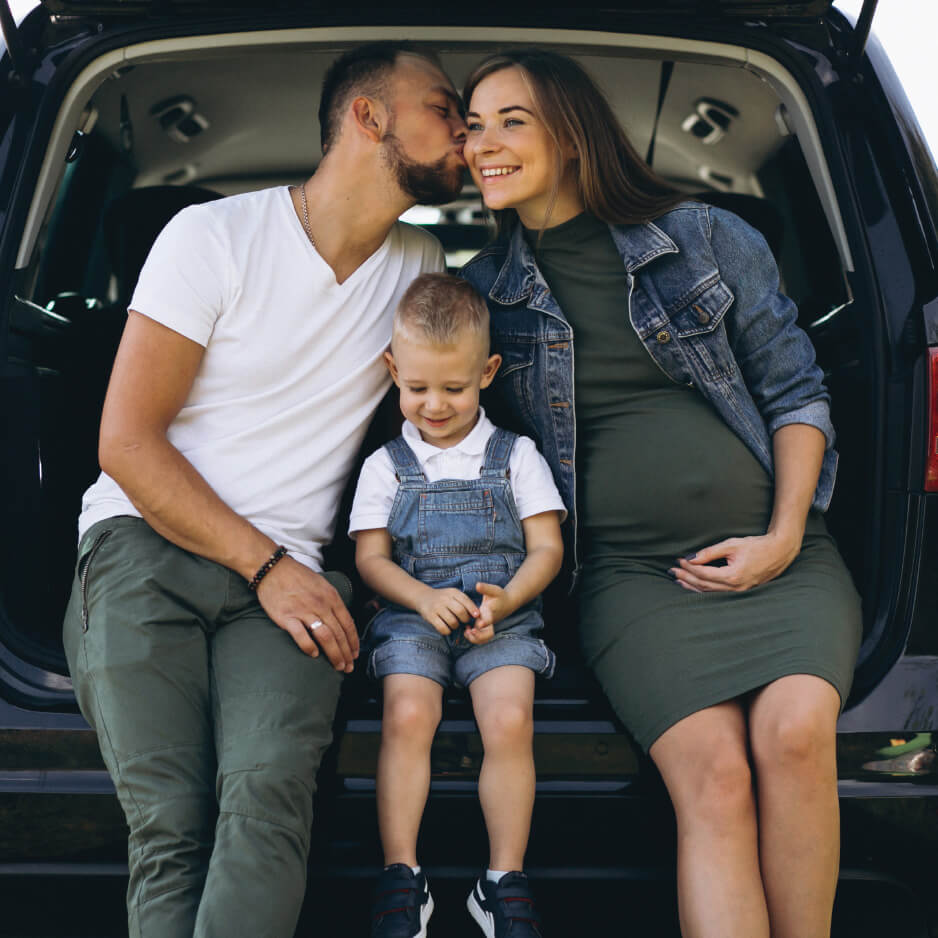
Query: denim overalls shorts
454	533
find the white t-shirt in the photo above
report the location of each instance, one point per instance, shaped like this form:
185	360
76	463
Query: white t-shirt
532	484
292	370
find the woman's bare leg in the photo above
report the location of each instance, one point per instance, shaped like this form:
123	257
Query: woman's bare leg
704	762
792	725
413	706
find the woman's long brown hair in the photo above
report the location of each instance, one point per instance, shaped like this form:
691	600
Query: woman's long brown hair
614	182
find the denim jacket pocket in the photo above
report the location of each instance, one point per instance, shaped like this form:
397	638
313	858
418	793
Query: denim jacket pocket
700	329
514	377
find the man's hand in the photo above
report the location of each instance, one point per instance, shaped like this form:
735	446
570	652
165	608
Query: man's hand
750	561
446	609
295	597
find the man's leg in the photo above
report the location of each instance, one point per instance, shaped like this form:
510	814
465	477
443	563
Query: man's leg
274	708
137	651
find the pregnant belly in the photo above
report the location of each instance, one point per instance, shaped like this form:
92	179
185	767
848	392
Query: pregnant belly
662	476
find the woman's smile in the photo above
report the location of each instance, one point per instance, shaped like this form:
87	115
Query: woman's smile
514	160
490	172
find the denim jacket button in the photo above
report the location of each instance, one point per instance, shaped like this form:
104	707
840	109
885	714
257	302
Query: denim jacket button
663	337
703	317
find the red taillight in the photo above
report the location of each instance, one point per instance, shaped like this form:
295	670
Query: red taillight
931	455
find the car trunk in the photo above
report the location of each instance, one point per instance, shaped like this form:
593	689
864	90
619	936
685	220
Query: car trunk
203	107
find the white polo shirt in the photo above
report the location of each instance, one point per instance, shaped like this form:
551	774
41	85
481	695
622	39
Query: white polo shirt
293	367
532	484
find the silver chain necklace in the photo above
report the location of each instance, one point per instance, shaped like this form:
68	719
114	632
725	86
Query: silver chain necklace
306	228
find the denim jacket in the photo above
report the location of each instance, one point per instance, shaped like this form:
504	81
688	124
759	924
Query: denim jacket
702	297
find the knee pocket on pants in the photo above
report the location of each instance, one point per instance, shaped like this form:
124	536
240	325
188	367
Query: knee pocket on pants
269	793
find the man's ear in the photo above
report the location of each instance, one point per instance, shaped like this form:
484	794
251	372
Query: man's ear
369	117
491	367
392	367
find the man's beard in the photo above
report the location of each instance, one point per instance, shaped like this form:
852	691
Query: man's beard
426	183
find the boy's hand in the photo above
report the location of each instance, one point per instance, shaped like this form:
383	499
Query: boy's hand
446	609
479	634
496	604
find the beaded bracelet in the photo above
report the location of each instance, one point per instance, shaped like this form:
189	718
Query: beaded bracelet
278	554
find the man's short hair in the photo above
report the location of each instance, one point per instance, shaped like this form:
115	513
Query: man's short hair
441	308
364	70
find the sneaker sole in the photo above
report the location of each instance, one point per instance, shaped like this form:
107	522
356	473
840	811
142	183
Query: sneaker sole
483	919
425	914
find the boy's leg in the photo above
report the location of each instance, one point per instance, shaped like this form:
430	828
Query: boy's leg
273	707
503	702
413	706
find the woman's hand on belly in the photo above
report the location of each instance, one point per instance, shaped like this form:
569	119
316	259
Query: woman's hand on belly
747	562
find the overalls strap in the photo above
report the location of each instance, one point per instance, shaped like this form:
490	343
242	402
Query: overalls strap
498	453
405	462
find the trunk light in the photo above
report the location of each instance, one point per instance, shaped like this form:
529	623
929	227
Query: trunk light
931	456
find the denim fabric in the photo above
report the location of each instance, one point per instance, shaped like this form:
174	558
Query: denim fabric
703	298
454	533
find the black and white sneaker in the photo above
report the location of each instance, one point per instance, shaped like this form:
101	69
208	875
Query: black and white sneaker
403	904
504	909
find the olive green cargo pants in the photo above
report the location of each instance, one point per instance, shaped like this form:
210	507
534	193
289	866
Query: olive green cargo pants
212	724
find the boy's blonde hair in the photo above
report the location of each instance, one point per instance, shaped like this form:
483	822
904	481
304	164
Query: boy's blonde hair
440	308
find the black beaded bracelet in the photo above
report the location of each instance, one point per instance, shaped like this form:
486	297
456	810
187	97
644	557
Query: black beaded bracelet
277	555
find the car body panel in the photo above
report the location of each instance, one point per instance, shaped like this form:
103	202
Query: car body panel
809	9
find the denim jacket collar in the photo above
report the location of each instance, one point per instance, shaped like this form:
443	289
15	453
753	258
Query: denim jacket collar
637	245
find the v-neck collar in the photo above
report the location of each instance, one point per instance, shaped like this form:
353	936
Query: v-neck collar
355	275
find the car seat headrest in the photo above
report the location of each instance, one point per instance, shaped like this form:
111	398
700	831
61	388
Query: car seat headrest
133	221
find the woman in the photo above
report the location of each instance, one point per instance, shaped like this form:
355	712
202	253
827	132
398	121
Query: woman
714	607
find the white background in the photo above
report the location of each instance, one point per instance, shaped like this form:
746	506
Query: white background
908	30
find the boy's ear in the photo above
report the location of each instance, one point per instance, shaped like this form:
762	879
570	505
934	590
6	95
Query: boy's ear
491	367
392	367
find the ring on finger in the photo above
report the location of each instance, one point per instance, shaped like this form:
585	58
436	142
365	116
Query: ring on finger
314	625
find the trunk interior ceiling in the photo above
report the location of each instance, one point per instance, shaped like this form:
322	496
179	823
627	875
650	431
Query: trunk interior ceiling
239	118
262	117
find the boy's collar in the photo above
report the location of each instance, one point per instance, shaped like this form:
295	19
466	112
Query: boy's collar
472	444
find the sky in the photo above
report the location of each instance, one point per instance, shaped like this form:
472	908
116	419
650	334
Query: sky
906	28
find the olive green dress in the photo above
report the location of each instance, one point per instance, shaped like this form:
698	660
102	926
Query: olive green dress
659	476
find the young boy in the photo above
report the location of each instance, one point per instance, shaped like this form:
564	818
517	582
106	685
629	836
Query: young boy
458	528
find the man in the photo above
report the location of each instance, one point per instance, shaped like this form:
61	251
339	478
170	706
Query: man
205	648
